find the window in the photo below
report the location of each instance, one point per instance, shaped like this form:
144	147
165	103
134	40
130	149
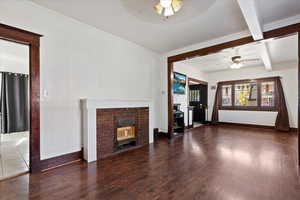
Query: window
267	93
246	94
195	95
226	95
256	95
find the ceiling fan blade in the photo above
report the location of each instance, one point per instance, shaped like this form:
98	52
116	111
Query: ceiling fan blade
250	60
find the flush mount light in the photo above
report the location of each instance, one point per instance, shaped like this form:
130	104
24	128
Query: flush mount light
168	8
165	3
236	66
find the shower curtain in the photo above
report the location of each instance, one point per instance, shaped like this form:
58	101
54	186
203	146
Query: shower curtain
14	102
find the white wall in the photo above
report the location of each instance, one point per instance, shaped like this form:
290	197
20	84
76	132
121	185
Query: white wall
289	74
79	61
189	71
14	57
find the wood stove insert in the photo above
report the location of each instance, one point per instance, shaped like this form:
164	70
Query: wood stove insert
125	132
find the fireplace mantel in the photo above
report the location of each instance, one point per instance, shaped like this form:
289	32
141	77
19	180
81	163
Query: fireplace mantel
89	107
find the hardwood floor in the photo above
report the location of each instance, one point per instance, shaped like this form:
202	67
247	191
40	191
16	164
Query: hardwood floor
227	163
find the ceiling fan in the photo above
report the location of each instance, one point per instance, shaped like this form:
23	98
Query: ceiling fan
238	61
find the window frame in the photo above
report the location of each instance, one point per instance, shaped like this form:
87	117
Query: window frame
259	95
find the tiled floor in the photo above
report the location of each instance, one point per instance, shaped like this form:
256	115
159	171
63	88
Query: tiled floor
14	154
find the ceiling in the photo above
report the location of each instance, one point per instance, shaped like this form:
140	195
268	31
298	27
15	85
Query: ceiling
273	10
198	21
281	50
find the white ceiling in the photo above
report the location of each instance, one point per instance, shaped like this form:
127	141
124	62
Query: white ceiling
198	21
281	50
273	10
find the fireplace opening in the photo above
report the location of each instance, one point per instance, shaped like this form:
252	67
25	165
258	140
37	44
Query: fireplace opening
125	133
125	136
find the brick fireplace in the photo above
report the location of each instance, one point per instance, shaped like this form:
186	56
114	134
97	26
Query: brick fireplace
113	126
120	129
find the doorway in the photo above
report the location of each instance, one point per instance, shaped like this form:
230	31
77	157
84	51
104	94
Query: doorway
32	41
14	109
197	102
189	97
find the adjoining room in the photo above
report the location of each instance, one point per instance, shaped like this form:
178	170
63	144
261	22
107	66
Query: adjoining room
246	80
190	93
14	109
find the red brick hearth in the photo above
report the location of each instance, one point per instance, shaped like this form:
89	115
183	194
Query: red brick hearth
108	120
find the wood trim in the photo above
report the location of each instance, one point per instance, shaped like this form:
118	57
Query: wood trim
163	134
34	108
249	108
271	78
295	130
33	41
61	160
18	35
298	97
210	50
292	130
197	81
246	125
283	31
170	100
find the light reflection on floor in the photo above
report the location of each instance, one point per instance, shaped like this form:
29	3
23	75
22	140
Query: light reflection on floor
266	159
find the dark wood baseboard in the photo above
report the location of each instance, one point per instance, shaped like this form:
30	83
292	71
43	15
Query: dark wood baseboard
246	125
164	134
61	160
294	130
252	126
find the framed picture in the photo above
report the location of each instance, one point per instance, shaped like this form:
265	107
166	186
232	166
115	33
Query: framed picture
179	83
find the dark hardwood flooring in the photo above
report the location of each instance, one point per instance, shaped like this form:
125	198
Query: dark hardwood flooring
226	163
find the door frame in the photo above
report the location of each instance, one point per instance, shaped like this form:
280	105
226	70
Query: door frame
197	81
20	36
190	79
280	32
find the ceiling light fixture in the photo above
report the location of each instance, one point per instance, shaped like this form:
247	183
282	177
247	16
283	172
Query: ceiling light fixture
165	3
168	8
236	62
236	66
